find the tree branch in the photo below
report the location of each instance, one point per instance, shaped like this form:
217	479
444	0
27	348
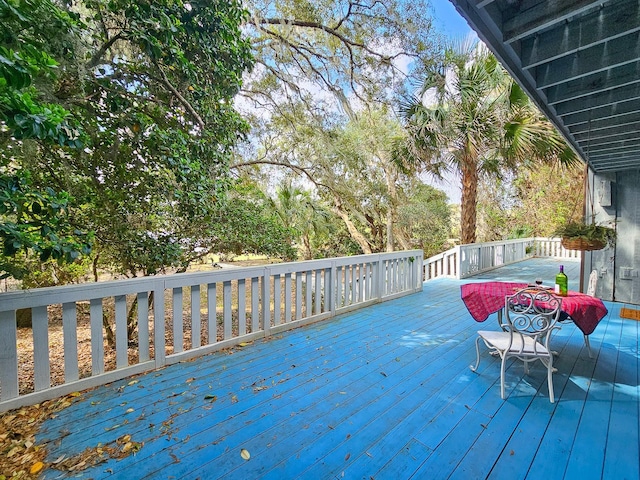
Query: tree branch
317	26
185	103
95	60
295	168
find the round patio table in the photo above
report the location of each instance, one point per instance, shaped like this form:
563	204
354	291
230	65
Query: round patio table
484	298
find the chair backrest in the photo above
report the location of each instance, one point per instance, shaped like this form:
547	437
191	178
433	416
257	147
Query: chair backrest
532	312
593	283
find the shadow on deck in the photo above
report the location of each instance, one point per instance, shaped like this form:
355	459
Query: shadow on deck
384	392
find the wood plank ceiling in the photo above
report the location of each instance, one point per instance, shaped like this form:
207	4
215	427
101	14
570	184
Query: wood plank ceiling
580	62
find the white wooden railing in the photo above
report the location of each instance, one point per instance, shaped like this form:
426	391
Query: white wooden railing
466	260
216	309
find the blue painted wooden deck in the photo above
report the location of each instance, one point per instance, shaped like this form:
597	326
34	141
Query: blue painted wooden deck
381	393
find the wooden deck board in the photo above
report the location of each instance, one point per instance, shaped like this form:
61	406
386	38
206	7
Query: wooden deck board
532	391
585	461
383	392
625	409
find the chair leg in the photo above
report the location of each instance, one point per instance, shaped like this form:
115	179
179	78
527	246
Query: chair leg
550	378
588	344
502	364
472	367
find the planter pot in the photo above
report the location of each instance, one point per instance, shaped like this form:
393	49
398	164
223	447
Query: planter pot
579	243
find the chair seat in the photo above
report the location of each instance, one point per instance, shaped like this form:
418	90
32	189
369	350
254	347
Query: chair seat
500	340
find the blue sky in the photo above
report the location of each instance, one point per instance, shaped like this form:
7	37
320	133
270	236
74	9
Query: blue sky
448	20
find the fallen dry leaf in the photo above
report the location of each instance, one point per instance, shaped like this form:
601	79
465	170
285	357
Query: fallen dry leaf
18	448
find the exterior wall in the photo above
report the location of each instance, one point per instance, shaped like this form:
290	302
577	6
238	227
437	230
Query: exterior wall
614	200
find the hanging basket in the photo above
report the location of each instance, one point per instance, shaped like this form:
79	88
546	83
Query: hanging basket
580	243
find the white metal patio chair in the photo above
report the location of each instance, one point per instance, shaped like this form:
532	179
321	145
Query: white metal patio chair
530	316
593	283
591	291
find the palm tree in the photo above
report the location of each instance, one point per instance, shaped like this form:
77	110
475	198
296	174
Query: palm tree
471	118
298	209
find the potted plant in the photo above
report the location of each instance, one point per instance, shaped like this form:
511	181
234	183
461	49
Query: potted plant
583	236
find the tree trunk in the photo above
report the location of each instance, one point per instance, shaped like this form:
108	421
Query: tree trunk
392	214
389	231
402	239
469	200
306	241
353	231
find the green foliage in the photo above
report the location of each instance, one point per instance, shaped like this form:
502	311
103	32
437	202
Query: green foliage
246	223
308	218
426	218
547	197
533	202
51	273
33	219
27	63
126	107
36	222
336	243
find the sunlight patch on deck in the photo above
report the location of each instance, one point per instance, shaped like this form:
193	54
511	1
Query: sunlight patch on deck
421	339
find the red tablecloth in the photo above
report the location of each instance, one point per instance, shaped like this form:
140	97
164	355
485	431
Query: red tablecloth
484	298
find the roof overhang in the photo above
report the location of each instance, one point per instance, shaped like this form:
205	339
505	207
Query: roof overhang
579	61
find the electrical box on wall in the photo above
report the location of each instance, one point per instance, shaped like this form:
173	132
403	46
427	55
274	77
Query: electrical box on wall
604	193
628	273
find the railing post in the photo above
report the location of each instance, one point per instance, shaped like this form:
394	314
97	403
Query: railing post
195	316
41	363
143	327
122	343
330	289
158	325
255	305
70	339
177	305
382	274
266	301
97	340
212	313
8	355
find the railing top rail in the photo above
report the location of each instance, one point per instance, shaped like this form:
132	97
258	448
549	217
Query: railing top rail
82	292
498	242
